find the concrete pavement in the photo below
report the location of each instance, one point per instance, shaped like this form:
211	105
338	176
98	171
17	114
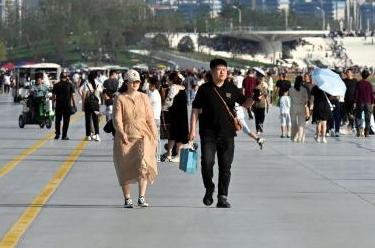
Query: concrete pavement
287	195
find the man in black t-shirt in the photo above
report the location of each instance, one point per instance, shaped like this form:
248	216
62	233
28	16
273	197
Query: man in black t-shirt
110	88
216	129
283	85
63	97
350	83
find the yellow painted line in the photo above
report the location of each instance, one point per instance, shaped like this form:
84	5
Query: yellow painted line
33	148
13	236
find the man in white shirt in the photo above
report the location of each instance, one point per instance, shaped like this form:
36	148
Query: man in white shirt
155	100
7	83
238	78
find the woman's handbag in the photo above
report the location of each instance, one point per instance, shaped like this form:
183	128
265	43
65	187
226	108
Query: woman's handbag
164	126
108	128
236	122
73	109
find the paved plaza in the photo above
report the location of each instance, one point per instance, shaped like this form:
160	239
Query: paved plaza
56	193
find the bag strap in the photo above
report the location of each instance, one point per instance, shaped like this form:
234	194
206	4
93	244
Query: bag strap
329	102
225	104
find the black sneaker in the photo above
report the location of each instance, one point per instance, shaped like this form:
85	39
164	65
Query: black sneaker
65	138
57	137
222	202
208	199
142	202
128	203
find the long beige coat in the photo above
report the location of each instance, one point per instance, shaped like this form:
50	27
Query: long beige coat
132	115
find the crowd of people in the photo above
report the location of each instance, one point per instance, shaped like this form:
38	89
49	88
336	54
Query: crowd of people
144	107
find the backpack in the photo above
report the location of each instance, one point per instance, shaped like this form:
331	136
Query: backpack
91	102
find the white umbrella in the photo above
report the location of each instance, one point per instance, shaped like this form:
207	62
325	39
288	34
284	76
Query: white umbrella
328	81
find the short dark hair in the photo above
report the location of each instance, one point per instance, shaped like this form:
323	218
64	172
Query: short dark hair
216	62
154	81
365	74
113	72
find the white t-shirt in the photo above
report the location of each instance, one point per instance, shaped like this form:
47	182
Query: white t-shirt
238	81
270	83
155	100
285	105
7	80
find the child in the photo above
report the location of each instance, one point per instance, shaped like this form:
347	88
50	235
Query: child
245	127
285	115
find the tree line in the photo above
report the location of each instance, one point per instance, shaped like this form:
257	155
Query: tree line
110	25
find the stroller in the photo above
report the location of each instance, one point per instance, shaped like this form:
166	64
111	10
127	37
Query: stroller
37	110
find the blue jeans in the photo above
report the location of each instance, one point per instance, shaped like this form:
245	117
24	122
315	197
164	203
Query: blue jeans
225	152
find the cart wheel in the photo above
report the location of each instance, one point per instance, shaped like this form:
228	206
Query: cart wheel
48	123
21	121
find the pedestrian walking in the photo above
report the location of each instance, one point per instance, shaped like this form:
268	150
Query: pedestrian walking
282	85
110	87
176	104
350	83
260	97
134	147
321	109
63	99
363	102
298	110
155	101
216	129
7	82
270	84
285	115
90	105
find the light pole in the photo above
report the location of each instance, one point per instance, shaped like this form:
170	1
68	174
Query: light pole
323	17
239	15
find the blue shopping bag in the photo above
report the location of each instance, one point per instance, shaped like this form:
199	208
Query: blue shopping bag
189	160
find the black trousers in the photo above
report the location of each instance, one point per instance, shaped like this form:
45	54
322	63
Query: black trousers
367	109
224	147
95	120
62	114
335	121
260	114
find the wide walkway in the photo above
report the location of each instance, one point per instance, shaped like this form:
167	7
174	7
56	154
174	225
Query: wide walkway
65	194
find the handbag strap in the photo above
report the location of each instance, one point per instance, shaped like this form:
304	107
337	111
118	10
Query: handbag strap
225	104
329	102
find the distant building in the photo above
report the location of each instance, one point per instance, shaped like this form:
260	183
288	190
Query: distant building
7	5
187	8
367	11
332	9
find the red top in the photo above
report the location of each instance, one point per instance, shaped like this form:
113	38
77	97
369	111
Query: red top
363	92
249	84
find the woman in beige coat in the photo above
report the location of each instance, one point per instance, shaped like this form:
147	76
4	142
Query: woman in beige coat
299	100
135	143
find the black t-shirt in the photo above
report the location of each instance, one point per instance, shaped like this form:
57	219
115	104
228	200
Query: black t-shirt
215	121
63	91
350	89
284	86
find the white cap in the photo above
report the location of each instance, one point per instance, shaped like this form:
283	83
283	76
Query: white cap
132	76
260	71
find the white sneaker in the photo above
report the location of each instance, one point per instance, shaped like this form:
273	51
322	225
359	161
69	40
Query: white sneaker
96	138
317	138
175	160
88	138
324	140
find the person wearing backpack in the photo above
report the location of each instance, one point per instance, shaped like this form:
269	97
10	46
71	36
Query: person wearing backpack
90	105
